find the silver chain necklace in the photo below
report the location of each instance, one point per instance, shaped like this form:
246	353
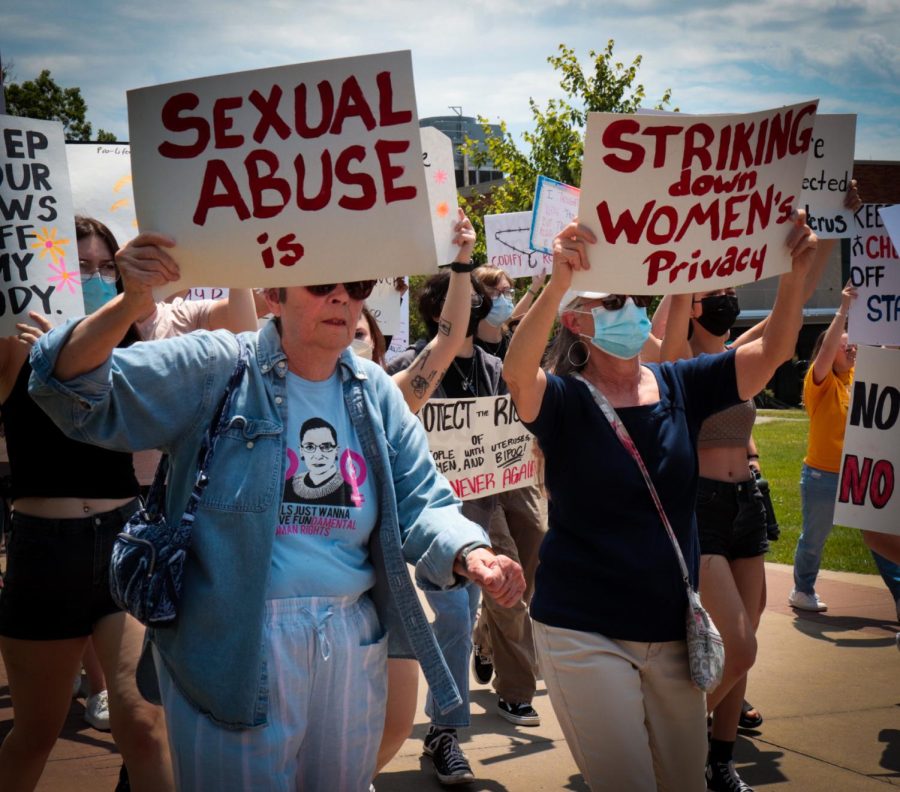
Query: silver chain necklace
469	383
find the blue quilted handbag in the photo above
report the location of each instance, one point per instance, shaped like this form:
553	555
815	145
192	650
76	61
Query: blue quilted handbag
148	557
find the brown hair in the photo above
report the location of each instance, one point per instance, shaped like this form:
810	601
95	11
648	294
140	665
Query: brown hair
490	276
89	226
379	345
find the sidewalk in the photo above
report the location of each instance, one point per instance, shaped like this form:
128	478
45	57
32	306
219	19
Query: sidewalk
827	684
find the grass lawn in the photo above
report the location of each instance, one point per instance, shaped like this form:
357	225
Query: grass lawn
782	446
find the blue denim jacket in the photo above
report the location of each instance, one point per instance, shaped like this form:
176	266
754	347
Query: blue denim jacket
162	395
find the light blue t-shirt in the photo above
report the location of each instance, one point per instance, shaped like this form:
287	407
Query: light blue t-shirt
329	503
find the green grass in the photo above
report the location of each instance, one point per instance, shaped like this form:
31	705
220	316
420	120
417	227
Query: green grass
782	446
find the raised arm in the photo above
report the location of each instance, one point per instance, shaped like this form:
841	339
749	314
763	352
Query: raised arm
236	312
824	360
527	299
675	344
522	366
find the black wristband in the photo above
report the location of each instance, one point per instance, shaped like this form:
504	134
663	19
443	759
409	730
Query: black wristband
458	266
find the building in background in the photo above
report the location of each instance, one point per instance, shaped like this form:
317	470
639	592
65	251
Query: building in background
458	128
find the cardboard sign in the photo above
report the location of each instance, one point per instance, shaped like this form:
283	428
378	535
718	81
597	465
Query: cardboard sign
38	250
829	171
508	241
875	271
204	293
384	303
555	205
690	204
100	175
871	458
288	176
400	340
479	444
440	181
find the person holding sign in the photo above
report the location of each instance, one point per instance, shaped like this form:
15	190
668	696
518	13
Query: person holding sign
274	672
609	603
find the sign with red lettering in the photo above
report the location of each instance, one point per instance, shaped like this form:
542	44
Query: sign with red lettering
38	251
507	238
871	457
293	175
686	204
875	271
479	444
829	171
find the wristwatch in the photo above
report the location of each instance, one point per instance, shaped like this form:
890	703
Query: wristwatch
463	554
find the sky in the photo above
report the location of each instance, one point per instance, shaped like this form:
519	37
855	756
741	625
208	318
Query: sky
489	58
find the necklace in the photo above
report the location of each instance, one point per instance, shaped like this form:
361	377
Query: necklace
468	383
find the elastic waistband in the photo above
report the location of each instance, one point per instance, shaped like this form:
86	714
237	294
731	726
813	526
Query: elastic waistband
277	609
739	490
117	516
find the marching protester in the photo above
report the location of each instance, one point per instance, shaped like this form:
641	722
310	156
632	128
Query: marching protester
598	657
276	666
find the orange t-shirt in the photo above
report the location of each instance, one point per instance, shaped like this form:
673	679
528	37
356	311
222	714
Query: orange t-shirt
826	404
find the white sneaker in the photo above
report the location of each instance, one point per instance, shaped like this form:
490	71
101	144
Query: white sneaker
96	711
808	602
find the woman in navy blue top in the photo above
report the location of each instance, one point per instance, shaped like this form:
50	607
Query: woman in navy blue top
609	604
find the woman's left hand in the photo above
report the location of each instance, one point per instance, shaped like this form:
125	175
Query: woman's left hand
29	334
498	575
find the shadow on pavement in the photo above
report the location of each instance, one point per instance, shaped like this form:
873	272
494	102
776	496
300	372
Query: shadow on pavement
820	625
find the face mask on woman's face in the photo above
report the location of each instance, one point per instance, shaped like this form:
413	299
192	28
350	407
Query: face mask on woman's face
620	333
361	348
97	292
500	311
719	313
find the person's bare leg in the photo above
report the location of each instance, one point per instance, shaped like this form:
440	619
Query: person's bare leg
40	677
887	545
92	669
403	689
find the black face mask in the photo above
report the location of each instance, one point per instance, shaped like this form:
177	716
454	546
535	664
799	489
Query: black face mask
478	314
719	313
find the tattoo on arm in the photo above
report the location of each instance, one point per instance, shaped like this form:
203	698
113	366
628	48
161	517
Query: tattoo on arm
419	386
444	327
422	359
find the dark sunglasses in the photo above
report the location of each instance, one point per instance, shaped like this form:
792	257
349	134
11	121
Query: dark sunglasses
357	290
613	302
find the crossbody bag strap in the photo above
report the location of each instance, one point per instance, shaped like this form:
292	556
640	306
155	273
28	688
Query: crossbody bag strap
622	433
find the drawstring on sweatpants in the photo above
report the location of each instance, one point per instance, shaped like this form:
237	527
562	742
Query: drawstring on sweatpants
319	626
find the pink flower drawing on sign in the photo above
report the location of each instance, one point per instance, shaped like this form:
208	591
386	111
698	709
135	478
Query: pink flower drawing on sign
64	277
440	176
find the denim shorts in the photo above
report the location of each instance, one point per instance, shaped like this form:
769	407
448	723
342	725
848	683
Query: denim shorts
731	519
57	575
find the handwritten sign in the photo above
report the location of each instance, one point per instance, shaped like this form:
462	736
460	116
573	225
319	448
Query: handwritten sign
479	444
384	303
829	171
440	181
100	175
689	204
38	250
875	271
871	445
287	176
204	293
400	341
508	241
555	205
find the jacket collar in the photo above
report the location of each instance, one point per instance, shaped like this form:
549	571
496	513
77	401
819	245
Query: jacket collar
271	355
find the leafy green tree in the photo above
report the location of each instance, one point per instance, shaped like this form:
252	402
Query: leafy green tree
43	98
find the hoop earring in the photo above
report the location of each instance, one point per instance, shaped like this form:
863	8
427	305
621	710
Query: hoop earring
587	354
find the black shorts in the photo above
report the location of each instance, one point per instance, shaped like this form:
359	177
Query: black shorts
57	575
731	519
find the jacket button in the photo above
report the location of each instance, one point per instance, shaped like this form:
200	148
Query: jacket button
278	400
249	444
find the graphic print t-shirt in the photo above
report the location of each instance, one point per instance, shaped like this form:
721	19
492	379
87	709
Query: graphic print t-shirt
329	503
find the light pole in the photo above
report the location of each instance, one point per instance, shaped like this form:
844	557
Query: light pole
459	129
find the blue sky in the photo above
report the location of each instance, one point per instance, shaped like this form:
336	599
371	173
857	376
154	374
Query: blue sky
488	57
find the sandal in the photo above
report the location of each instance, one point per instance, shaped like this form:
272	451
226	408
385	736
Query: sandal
750	717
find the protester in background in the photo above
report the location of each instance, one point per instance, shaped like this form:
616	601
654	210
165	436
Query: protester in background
300	603
600	656
368	340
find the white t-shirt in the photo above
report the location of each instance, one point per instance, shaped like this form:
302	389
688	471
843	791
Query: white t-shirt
329	502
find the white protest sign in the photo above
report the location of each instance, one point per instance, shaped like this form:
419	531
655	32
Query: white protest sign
829	171
206	293
479	444
875	271
384	303
685	204
555	205
400	340
38	251
890	216
287	176
507	238
871	454
440	181
100	175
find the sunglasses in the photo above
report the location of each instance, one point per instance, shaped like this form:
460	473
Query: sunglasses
356	290
613	302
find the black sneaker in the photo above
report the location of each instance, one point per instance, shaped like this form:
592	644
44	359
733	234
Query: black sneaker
450	763
520	714
482	667
722	777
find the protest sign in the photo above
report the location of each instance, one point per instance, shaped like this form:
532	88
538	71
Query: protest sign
829	171
686	204
100	175
555	205
293	175
400	340
384	303
871	445
440	181
38	249
507	238
875	271
479	444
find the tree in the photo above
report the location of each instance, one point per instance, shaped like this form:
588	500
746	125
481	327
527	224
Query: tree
43	98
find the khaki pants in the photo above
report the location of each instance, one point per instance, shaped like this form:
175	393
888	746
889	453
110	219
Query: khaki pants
630	714
517	528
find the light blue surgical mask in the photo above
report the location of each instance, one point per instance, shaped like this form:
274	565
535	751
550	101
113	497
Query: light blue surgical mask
97	292
620	333
500	311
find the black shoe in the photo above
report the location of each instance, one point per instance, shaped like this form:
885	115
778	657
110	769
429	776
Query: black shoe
482	667
123	785
450	763
748	721
520	714
722	777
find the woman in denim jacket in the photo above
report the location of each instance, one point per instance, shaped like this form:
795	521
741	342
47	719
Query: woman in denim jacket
297	650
